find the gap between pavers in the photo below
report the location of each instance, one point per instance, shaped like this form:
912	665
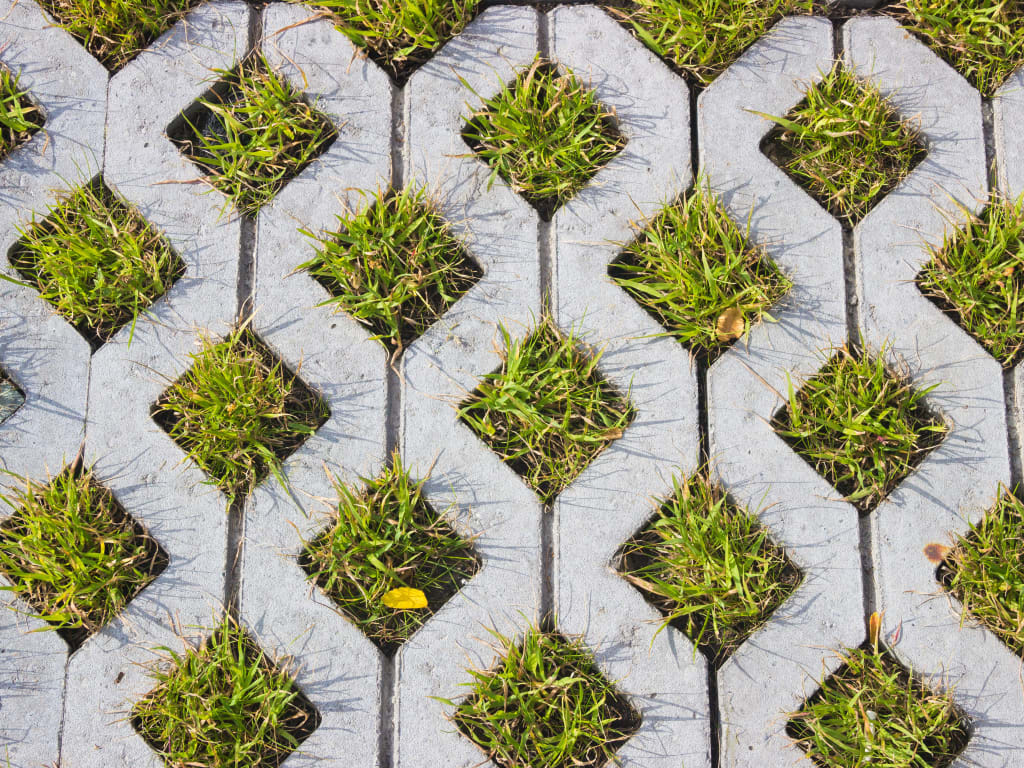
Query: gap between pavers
336	666
42	353
499	229
922	627
778	667
147	472
613	497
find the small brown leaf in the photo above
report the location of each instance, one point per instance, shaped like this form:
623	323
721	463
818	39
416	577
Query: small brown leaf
730	325
936	552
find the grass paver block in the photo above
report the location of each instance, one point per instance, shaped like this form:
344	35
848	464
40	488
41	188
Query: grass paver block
693	270
977	276
19	117
709	567
873	712
545	704
252	133
224	704
546	412
862	427
400	35
395	266
238	412
545	134
985	571
845	144
73	553
97	261
386	536
701	39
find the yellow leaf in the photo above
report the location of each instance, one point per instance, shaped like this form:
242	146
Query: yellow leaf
874	629
730	325
405	599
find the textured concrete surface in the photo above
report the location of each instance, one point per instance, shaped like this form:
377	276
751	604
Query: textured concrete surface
70	709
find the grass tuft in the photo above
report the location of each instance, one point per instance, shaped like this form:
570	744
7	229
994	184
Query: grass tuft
224	705
546	135
383	537
691	266
546	412
545	704
73	553
709	567
977	276
862	427
845	144
19	117
400	34
97	261
872	712
701	38
395	266
983	39
238	412
985	571
252	133
116	31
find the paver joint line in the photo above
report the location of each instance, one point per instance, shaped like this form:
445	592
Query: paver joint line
391	391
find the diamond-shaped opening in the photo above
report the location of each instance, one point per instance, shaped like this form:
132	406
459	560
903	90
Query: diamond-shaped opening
984	571
846	145
239	412
384	537
862	426
96	260
546	703
545	134
20	117
395	266
117	33
693	270
976	276
709	567
873	711
251	133
225	703
981	39
546	411
399	36
73	553
689	37
11	397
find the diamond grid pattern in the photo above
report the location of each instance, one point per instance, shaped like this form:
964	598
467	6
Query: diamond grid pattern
608	497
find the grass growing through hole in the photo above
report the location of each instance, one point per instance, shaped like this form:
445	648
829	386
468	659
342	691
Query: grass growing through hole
73	554
400	34
983	39
238	412
845	144
872	712
253	133
985	571
693	270
709	567
859	425
546	135
386	536
547	412
395	266
11	398
977	275
116	31
224	704
19	117
703	37
545	704
97	261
